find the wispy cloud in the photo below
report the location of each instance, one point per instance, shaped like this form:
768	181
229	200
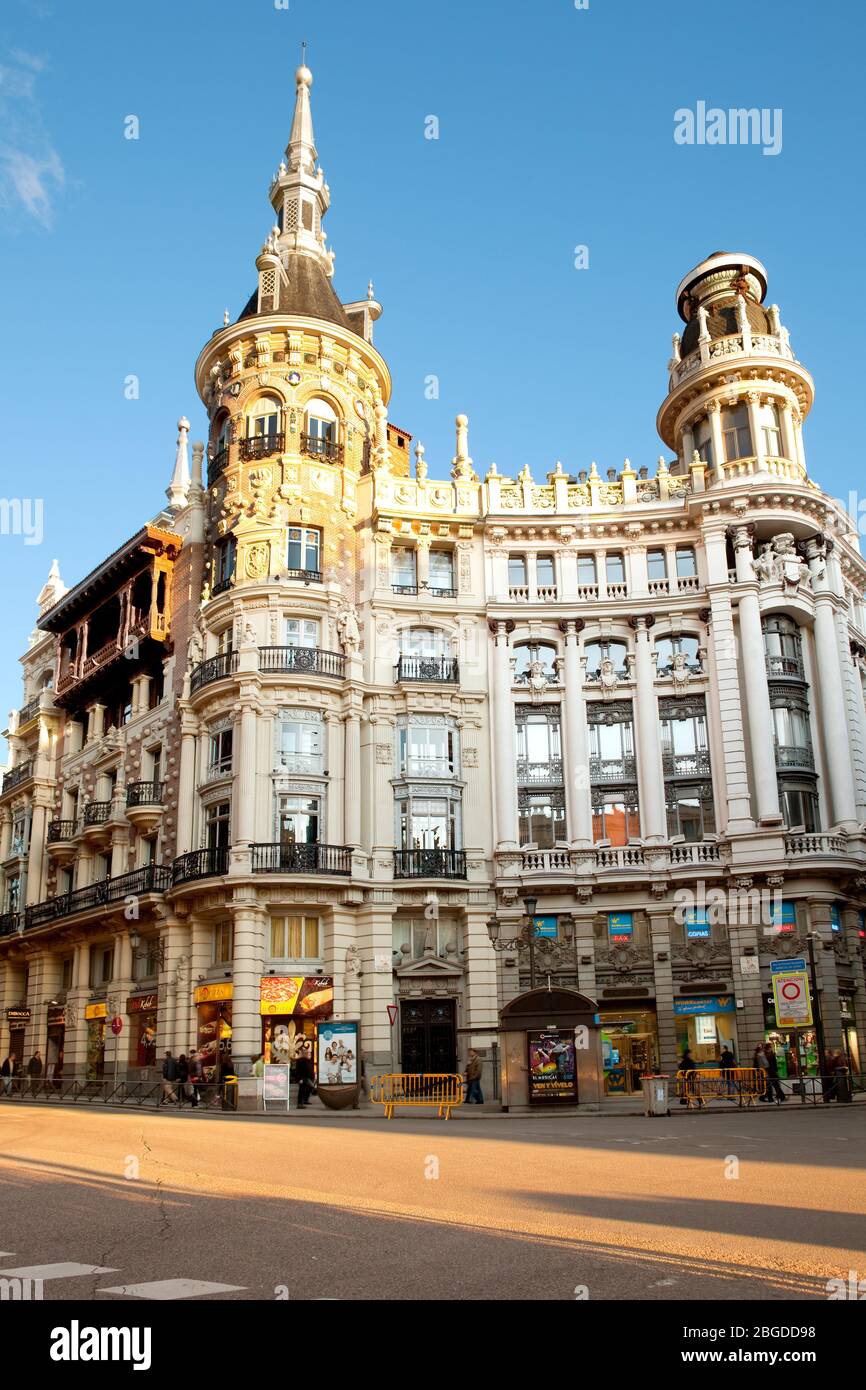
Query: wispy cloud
31	170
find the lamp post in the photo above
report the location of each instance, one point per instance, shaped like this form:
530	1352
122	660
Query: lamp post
528	936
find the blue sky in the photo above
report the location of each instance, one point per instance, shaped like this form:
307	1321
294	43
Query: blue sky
555	130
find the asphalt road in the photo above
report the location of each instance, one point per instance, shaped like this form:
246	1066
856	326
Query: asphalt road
761	1206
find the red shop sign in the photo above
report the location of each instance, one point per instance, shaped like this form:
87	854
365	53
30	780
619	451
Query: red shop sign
142	1004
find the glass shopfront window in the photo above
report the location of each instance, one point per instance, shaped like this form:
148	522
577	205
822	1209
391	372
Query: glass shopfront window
707	1025
629	1048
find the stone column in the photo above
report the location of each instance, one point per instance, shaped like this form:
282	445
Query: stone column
758	712
117	1045
75	1032
748	988
245	776
186	781
851	929
660	948
832	695
504	760
352	778
827	981
422	562
36	856
649	754
636	573
714	411
343	962
724	706
584	944
336	792
577	783
375	939
789	441
249	921
753	401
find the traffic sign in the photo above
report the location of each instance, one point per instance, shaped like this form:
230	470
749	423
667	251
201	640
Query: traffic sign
791	994
116	1025
392	1014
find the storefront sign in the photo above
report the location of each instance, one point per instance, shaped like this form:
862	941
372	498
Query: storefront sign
620	927
713	1004
783	916
275	1085
791	993
338	1054
143	1004
544	926
206	994
18	1015
697	925
552	1068
96	1011
310	996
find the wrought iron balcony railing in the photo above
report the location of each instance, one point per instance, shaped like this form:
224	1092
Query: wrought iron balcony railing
151	878
222	586
59	831
443	669
315	447
429	863
313	661
18	774
28	711
200	863
96	813
301	859
793	757
262	446
9	923
145	793
695	764
529	771
612	769
785	666
215	668
306	576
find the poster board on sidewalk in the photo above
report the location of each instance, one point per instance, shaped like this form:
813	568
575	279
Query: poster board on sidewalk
276	1089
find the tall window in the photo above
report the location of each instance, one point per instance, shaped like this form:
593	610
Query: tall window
225	555
217	822
427	750
101	964
612	771
516	571
772	432
799	804
220	752
300	744
615	815
605	650
538	744
321	432
223	943
441	570
686	564
614	564
295	938
299	820
403	569
545	572
656	564
586	573
428	823
302	632
263	418
782	646
611	751
704	441
424	641
542	655
668	647
686	768
735	433
541	817
305	549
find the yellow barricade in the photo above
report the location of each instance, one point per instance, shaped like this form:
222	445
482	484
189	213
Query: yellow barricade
742	1084
442	1089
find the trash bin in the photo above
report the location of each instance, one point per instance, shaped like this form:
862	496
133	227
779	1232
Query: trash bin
655	1095
843	1086
230	1093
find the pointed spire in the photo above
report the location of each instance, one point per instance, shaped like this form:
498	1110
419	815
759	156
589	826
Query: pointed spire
52	590
299	193
301	149
177	491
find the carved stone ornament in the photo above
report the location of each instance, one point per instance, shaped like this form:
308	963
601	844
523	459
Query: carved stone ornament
256	565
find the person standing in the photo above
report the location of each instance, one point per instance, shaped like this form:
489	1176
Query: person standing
774	1085
184	1089
687	1069
7	1072
761	1066
35	1068
196	1077
473	1079
727	1062
304	1076
169	1078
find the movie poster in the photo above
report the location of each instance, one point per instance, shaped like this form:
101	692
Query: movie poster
552	1068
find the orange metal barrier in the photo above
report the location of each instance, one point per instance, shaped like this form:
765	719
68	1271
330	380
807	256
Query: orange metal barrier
442	1089
742	1084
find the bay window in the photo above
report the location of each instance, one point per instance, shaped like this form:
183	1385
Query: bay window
427	750
541	817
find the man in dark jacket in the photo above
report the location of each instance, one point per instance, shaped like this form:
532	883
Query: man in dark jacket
34	1070
169	1078
304	1076
774	1085
7	1072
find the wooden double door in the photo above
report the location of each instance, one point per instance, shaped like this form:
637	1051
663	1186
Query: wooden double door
428	1035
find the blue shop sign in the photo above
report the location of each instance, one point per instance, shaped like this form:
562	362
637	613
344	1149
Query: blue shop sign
620	926
544	926
697	924
712	1004
835	917
784	915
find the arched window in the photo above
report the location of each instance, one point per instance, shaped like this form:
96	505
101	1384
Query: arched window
221	441
527	654
605	650
319	438
263	434
669	647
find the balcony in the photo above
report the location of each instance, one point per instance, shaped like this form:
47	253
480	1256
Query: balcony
301	859
9	923
262	446
548	772
218	463
151	878
436	591
429	863
222	586
441	669
306	576
215	668
145	793
794	758
612	770
96	813
782	667
28	712
814	844
200	863
617	589
16	775
305	661
405	590
60	831
695	764
317	448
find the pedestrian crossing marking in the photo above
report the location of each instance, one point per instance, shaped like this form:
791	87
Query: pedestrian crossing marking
165	1289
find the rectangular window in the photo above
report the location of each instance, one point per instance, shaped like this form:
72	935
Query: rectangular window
223	943
305	547
615	568
299	820
427	823
301	745
545	572
538	741
686	566
586	569
224	561
67	965
615	817
736	433
690	810
220	755
441	569
295	938
145	964
541	819
302	632
217	822
516	571
611	752
656	564
101	961
427	750
704	449
403	568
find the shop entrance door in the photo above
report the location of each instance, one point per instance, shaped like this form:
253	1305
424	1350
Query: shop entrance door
428	1036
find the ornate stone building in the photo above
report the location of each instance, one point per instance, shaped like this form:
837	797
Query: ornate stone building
315	739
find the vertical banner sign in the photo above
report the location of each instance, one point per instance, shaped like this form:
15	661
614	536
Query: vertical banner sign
620	928
791	994
338	1054
544	926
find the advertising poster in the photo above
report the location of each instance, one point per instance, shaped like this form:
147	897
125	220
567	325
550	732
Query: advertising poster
544	926
552	1068
697	925
620	928
309	996
275	1086
338	1054
791	994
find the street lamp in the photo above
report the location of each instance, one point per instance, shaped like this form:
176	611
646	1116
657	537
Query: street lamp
154	951
526	936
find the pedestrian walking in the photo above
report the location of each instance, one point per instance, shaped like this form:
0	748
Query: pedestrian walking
304	1076
727	1062
169	1078
184	1087
774	1085
473	1079
35	1068
828	1077
196	1077
687	1069
761	1066
7	1073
